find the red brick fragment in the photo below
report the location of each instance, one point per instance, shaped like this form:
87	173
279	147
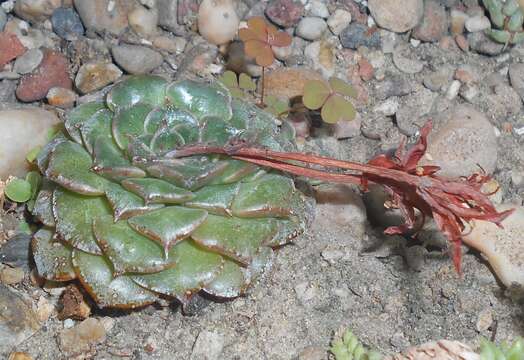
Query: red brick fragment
10	48
52	72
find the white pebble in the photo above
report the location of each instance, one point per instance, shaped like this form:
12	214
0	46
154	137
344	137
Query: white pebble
311	28
453	90
477	23
217	21
338	21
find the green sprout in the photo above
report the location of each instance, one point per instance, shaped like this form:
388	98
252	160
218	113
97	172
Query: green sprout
238	86
276	106
348	347
490	351
507	19
331	97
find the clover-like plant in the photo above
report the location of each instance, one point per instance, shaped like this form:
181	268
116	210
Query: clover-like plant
239	85
276	106
507	19
332	98
259	38
348	347
490	351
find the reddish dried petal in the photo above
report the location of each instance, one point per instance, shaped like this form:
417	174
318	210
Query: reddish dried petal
278	38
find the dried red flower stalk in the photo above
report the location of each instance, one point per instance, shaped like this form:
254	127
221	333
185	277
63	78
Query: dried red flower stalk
451	202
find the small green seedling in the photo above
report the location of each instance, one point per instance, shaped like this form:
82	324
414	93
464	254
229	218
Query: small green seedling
276	106
331	98
238	86
348	347
507	19
490	351
18	190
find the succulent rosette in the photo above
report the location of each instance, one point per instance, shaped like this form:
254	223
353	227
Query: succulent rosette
134	223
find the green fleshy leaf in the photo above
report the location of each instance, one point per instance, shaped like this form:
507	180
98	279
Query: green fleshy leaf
74	215
96	274
52	258
18	190
70	166
157	191
229	283
96	127
76	117
129	122
126	204
194	269
201	99
169	225
128	251
267	196
216	199
236	238
146	89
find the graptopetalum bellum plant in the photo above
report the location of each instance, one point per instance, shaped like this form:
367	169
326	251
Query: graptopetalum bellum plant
169	189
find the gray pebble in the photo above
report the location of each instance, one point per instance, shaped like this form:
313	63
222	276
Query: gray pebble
311	28
395	86
136	59
406	64
28	61
479	42
67	24
18	321
3	19
516	77
356	35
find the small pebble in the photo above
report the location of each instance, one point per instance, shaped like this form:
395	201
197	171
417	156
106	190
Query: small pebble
317	8
338	21
136	59
67	23
82	337
174	45
434	24
69	323
462	42
36	11
356	35
11	48
53	71
144	21
95	76
365	69
62	98
3	19
105	15
28	61
458	20
405	64
395	15
19	356
453	90
469	92
388	107
477	23
11	276
285	13
311	28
